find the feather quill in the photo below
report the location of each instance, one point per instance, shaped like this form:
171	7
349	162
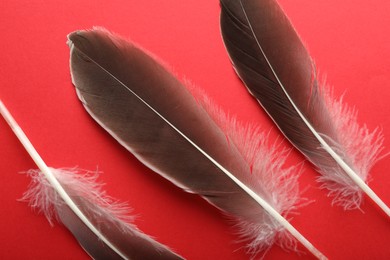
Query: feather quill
100	225
276	68
145	108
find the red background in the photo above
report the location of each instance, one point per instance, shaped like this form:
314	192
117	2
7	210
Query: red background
350	43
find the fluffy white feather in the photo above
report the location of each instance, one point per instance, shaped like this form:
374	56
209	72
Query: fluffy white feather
361	145
268	173
42	197
99	224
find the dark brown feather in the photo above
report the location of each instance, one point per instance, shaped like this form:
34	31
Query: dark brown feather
276	68
144	107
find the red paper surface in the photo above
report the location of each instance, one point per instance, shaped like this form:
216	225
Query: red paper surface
350	43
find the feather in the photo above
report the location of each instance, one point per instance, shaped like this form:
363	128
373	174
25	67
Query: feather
153	115
276	68
100	225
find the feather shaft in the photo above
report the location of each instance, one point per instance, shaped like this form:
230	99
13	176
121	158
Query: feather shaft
348	170
266	206
132	91
75	209
50	177
274	65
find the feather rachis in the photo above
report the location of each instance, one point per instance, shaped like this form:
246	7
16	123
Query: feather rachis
201	159
108	215
277	69
78	202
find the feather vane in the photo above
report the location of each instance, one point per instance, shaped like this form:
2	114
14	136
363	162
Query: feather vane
100	225
145	108
278	71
